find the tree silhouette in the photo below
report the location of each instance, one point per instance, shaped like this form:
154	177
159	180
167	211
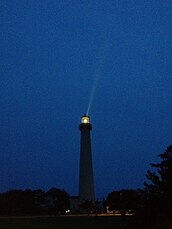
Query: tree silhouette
24	202
161	182
156	211
59	200
16	201
125	200
159	188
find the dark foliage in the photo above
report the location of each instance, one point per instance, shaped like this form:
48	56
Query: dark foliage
124	201
157	209
19	202
59	201
159	190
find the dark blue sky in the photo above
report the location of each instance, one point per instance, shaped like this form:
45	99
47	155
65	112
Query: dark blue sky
52	54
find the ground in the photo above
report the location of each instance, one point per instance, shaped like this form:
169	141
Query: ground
63	222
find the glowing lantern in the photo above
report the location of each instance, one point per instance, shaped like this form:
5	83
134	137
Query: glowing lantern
85	119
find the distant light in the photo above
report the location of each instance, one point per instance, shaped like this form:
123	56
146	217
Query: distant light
85	120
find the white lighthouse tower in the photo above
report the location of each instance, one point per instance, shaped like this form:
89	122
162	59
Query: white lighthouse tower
86	181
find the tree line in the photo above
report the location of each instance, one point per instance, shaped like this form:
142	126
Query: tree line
24	202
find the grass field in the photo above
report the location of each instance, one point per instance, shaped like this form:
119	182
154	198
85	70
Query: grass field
63	222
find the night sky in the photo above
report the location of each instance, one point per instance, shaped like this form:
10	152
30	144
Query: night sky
54	54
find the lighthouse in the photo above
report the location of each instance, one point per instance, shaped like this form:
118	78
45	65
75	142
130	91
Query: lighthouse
86	180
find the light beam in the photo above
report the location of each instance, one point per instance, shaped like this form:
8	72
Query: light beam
97	74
